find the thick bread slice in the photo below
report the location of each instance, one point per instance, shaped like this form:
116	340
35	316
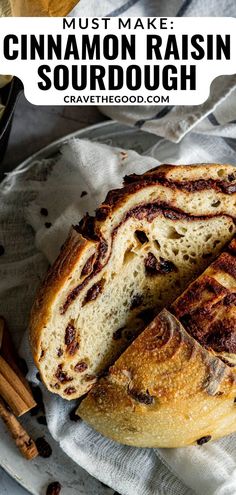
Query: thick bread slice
167	389
120	268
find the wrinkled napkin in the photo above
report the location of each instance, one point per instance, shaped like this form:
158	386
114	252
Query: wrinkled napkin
171	122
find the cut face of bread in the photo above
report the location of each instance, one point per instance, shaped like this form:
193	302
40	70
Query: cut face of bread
176	383
118	270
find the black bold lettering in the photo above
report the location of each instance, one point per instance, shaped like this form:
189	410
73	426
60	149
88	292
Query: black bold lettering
223	46
199	53
191	77
42	70
9	53
61	77
68	23
116	77
97	75
154	43
169	81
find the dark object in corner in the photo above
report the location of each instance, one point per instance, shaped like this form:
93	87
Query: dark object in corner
9	96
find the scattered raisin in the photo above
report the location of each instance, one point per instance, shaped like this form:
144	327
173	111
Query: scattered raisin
84	193
38	397
231	177
44	212
48	225
43	447
2	250
60	352
54	488
203	440
81	366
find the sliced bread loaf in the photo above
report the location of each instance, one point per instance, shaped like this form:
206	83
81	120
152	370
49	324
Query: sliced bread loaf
121	267
176	383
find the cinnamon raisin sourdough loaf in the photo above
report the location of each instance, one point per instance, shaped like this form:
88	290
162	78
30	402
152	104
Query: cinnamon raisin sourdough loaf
117	270
176	383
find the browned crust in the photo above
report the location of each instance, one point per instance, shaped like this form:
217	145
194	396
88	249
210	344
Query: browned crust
207	309
69	256
164	391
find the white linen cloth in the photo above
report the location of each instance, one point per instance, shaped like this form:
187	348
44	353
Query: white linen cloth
171	122
57	185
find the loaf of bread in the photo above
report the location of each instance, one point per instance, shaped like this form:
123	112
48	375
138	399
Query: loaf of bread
117	270
176	383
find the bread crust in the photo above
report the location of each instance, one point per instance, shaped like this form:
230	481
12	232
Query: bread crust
207	308
164	391
70	255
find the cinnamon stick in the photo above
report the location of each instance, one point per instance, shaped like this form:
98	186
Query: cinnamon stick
8	352
23	441
2	325
14	391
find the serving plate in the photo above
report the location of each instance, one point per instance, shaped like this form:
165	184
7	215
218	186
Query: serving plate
37	474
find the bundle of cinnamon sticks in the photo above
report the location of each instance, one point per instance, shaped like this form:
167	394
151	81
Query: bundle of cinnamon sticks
16	397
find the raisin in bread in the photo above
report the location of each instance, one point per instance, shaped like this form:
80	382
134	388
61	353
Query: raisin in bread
176	383
117	270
